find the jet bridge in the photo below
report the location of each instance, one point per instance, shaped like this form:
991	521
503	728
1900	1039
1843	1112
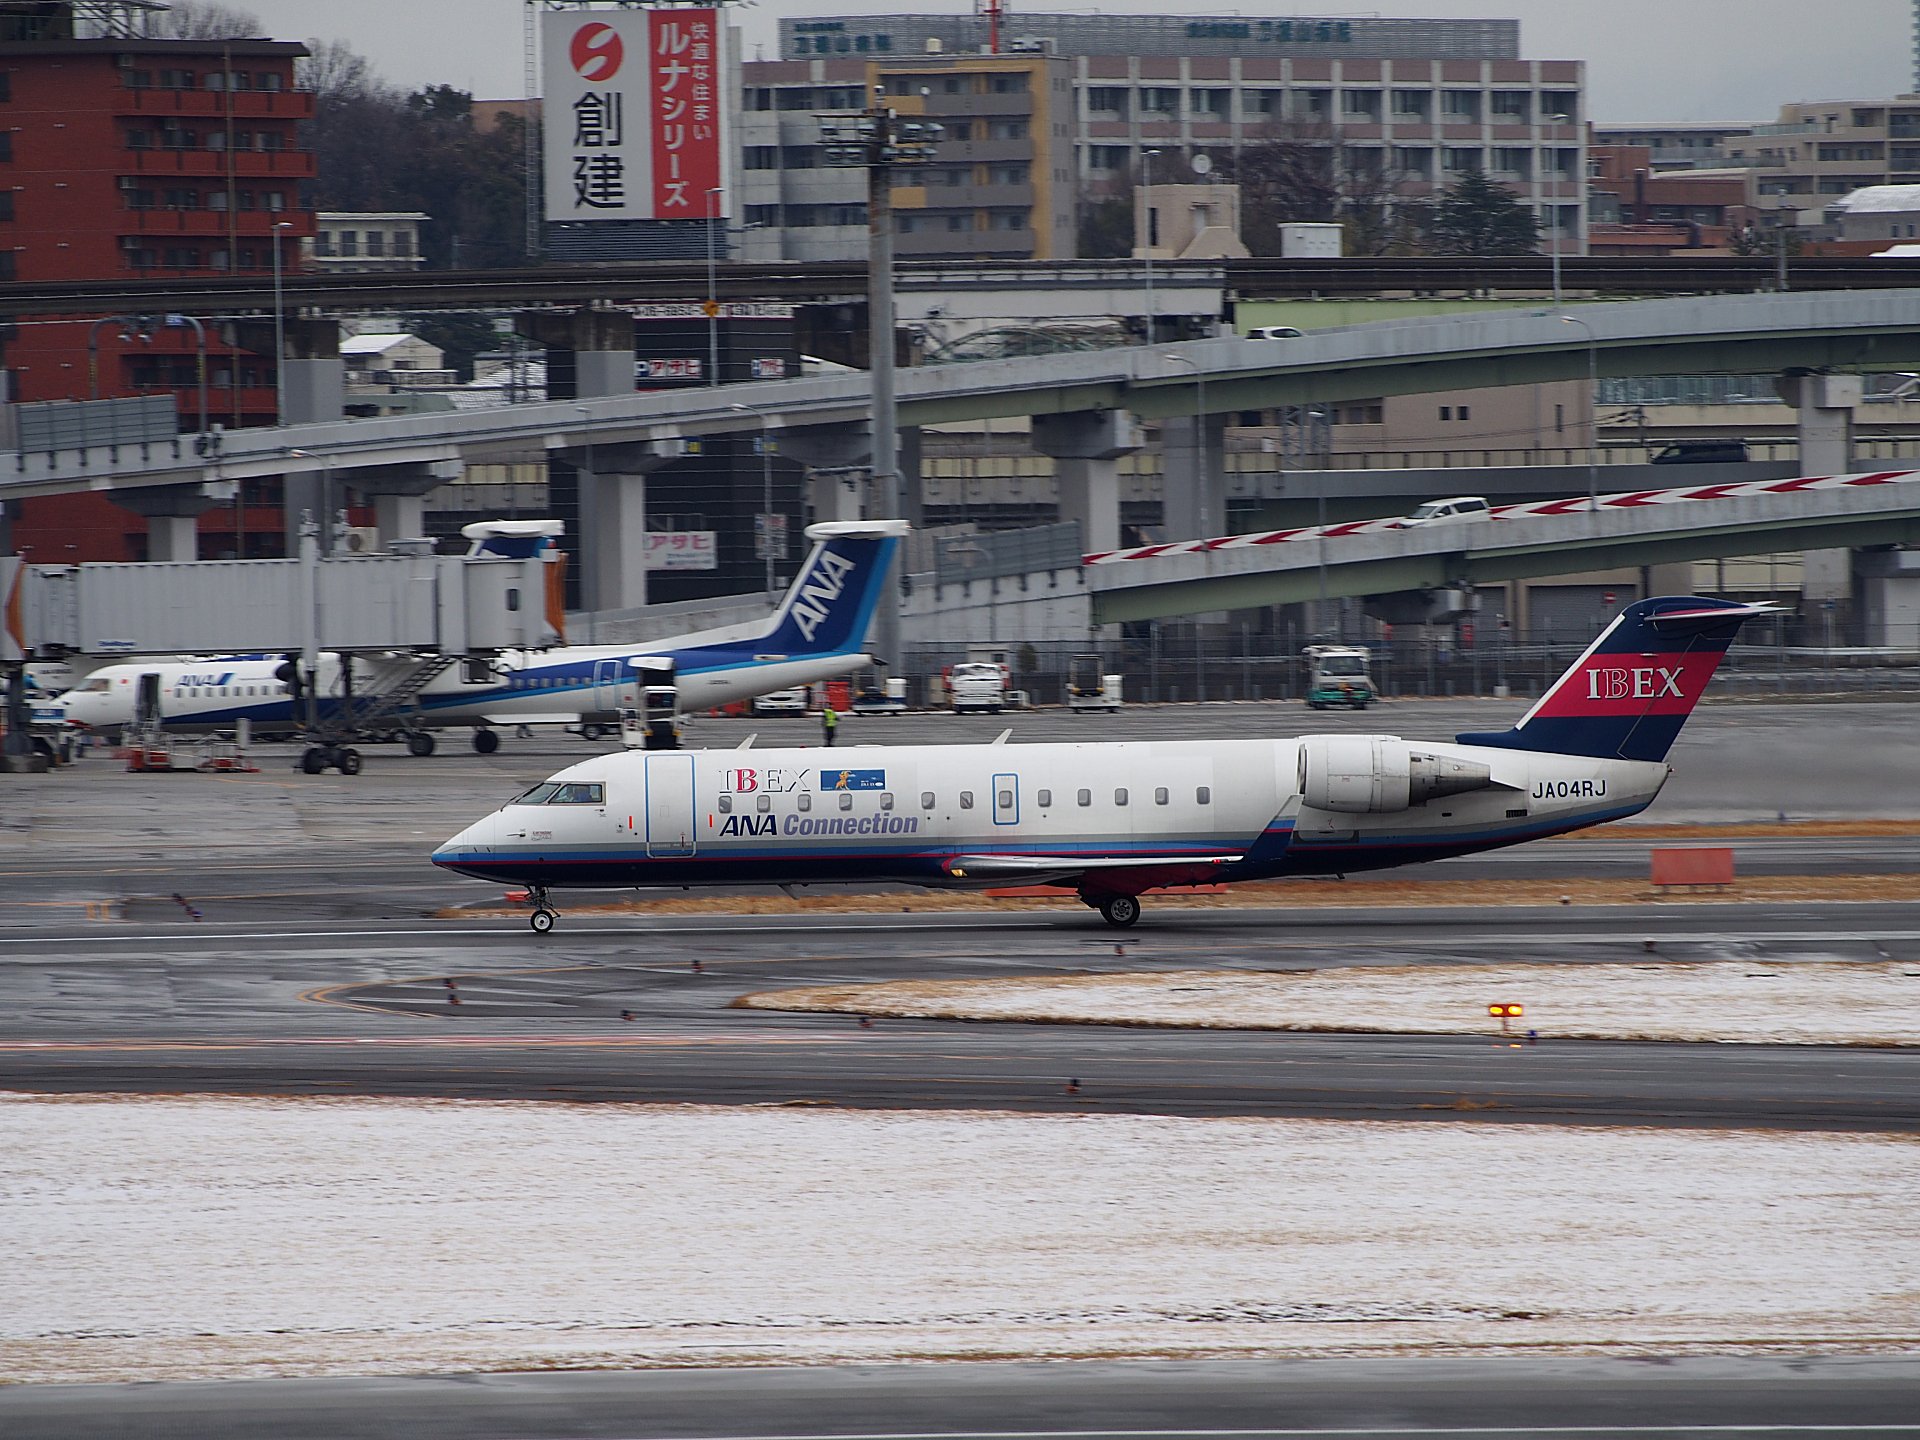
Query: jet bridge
415	613
438	604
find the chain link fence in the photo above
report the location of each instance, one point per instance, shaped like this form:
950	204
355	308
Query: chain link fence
1171	665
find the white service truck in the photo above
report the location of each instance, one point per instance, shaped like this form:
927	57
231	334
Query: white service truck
1337	675
980	685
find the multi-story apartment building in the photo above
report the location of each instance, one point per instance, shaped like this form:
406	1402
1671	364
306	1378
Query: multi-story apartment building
1819	150
124	156
1675	145
1002	187
1416	102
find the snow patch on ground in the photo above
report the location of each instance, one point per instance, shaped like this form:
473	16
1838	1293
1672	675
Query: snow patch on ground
181	1238
1798	1003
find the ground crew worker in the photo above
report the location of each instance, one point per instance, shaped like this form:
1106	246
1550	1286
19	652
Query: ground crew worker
829	723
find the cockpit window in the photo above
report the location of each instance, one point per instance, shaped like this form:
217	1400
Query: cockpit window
565	792
99	685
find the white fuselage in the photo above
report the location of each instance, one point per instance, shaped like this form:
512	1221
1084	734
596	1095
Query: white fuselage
985	814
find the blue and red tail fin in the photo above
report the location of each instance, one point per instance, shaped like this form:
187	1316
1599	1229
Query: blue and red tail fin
1628	695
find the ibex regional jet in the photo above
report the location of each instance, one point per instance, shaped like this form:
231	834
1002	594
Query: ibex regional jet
1113	821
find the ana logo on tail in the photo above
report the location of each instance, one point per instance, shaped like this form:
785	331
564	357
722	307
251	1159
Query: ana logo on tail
829	579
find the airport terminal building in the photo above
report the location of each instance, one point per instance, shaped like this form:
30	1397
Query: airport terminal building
1070	105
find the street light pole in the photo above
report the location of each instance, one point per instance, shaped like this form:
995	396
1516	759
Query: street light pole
279	331
1555	235
766	490
880	141
1593	412
1146	230
714	220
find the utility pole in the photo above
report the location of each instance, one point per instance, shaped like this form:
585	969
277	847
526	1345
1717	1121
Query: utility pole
879	141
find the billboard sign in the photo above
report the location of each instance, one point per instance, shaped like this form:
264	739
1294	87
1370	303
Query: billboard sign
636	120
682	550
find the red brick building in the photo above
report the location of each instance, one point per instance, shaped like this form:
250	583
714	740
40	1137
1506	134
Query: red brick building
124	157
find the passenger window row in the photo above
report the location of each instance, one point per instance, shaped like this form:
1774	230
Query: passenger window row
1162	795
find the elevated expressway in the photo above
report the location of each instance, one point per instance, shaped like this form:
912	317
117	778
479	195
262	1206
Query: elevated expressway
1089	396
1555	537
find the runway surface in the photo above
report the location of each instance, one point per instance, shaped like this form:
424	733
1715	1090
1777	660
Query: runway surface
1592	1398
618	1011
312	968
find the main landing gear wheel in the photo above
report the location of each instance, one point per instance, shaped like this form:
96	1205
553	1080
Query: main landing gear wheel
542	921
485	741
1120	911
420	743
314	760
349	761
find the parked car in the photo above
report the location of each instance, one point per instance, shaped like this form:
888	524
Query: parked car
782	702
1459	509
1702	452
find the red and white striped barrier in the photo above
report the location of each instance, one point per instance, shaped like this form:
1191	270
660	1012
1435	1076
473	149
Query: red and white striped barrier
1572	505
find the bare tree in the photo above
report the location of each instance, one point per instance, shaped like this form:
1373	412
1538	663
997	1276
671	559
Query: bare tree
1301	171
204	20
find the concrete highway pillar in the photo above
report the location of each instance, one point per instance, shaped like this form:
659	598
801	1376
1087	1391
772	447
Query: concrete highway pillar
399	494
589	352
837	460
316	380
173	512
1826	404
173	537
913	506
609	530
1086	447
1193	473
399	517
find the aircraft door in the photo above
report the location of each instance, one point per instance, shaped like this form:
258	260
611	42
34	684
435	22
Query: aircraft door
1006	799
606	686
670	818
146	699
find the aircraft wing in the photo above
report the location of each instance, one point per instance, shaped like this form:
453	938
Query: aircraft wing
1147	871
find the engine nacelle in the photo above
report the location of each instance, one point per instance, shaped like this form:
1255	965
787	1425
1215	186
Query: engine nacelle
1378	774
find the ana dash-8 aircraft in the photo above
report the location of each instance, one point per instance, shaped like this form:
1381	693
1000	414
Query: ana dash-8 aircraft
818	631
1113	821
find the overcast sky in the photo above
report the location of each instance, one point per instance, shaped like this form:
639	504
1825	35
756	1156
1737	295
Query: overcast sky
1646	59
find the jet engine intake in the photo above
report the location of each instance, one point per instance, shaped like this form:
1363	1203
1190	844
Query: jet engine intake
1379	774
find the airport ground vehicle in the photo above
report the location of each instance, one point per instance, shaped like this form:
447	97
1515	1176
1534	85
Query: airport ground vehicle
818	631
889	697
791	701
1089	687
1458	510
978	685
1337	675
1110	822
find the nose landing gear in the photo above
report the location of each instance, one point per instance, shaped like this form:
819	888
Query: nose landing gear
544	915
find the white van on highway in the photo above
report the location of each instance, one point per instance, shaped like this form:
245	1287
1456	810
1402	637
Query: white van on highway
1460	509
